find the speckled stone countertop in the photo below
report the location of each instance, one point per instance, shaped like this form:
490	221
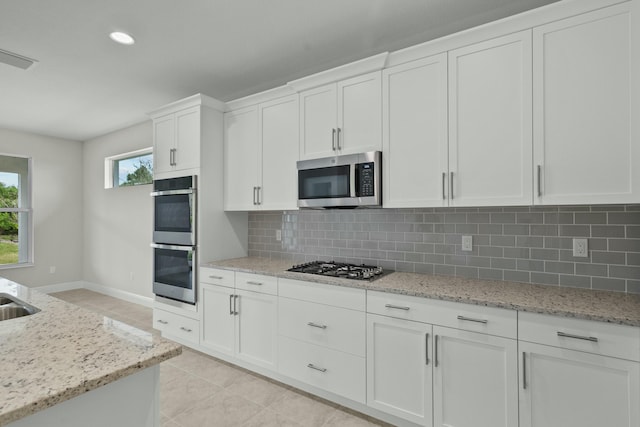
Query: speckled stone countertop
64	351
612	307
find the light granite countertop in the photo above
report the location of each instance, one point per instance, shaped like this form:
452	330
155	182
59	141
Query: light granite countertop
604	306
64	351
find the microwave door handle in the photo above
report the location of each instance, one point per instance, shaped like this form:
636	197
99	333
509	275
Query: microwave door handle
354	176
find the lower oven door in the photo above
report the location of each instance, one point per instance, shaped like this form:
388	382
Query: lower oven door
174	275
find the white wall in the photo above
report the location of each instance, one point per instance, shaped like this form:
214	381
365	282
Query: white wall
57	207
117	221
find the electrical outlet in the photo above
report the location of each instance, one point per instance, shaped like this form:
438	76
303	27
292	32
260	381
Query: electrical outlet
52	269
131	275
279	235
580	248
467	243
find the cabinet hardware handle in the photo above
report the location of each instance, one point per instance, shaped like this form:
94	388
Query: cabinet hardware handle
444	179
254	195
258	199
216	277
577	337
164	322
451	187
254	283
312	366
539	181
338	130
426	349
397	307
315	325
524	370
235	304
333	139
186	329
435	351
469	319
171	157
231	305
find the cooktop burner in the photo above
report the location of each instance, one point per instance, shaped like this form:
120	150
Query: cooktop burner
339	269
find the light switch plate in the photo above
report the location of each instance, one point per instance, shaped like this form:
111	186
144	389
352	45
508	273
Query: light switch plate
467	243
580	248
279	235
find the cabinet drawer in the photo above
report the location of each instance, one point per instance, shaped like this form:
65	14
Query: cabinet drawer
468	317
332	327
337	296
584	335
177	326
257	283
340	373
216	276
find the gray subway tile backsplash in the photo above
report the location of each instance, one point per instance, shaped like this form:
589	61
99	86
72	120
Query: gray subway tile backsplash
522	244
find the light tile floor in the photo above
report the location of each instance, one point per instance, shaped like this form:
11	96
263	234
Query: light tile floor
197	390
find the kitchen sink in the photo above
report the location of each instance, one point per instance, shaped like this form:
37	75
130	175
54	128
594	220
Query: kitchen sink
11	308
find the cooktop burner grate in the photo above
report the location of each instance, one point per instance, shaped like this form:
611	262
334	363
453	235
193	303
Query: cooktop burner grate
339	269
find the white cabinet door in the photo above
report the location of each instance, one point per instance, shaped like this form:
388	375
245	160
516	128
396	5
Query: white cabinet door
217	326
414	153
280	136
490	140
318	118
586	94
163	143
241	159
475	379
187	144
399	368
566	388
360	114
256	328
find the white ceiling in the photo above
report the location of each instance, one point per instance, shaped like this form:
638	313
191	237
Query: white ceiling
84	85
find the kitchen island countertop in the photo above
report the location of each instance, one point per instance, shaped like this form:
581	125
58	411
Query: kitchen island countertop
64	351
603	306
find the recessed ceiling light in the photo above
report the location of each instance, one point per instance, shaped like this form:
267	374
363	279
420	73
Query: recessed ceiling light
122	38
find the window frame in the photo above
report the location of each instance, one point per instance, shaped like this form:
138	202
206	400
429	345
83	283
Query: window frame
110	170
21	209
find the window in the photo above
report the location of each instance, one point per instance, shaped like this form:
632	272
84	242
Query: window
128	169
16	222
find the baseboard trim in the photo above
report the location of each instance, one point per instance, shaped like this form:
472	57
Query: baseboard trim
120	294
61	287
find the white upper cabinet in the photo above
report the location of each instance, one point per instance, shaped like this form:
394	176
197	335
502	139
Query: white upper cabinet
177	141
586	108
490	136
414	137
241	159
261	150
341	118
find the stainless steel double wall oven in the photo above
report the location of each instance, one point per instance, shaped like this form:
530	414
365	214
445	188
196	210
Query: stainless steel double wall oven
174	238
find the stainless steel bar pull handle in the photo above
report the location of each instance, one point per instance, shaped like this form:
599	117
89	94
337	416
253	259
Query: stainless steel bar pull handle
470	319
312	366
235	304
577	337
216	277
164	322
255	199
451	186
444	179
258	199
426	349
186	329
338	130
231	304
539	181
333	139
524	370
316	325
397	307
435	351
254	283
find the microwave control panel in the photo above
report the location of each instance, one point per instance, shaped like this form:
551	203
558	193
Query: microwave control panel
364	173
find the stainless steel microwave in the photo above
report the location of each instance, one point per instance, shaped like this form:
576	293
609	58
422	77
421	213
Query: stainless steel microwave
348	181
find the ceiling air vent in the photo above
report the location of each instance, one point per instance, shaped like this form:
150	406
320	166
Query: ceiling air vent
15	60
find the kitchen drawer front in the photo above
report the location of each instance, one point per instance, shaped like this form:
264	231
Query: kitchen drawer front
338	296
216	276
333	327
257	283
468	317
607	339
181	327
340	373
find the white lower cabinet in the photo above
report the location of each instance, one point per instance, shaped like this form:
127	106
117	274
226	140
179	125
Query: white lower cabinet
256	328
218	330
475	379
399	368
177	327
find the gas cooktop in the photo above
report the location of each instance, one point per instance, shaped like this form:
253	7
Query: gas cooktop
339	269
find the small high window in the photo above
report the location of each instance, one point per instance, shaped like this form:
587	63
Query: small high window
16	215
128	169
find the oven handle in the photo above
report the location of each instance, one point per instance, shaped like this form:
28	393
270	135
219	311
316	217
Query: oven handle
172	192
173	247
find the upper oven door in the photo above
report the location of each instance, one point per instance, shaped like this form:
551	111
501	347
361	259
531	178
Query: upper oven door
342	181
174	217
